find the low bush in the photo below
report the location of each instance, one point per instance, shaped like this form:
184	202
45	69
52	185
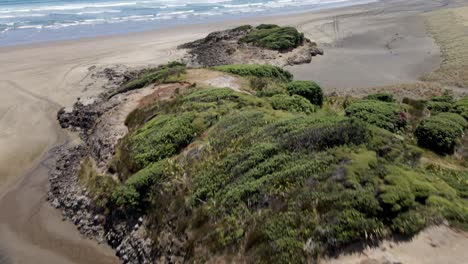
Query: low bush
294	103
440	133
274	37
170	72
439	107
307	89
439	104
461	107
243	28
323	136
389	116
455	118
384	97
134	192
160	138
446	97
256	70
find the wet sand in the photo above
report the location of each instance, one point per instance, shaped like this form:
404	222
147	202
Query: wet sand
37	80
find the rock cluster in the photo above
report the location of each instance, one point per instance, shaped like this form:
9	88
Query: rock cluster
125	233
81	116
225	47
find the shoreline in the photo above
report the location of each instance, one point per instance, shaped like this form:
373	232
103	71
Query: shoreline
57	71
203	22
221	24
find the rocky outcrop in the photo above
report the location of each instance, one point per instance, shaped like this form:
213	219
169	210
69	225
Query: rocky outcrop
80	117
225	47
125	234
100	122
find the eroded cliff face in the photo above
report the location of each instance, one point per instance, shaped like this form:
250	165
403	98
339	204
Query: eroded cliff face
100	124
228	47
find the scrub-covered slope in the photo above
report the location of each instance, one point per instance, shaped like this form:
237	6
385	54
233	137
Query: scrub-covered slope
275	172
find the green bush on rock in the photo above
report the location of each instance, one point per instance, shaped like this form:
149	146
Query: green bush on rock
170	72
274	37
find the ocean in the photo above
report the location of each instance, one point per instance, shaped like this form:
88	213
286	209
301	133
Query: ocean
31	21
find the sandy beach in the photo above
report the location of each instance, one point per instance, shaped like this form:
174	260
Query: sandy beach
365	46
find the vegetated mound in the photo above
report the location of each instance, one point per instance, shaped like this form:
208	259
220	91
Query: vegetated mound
384	97
269	175
265	44
279	186
461	107
307	89
390	116
274	37
257	71
441	132
167	73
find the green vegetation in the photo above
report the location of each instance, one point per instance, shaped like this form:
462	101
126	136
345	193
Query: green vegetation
256	70
384	97
307	89
441	132
243	28
274	37
160	138
439	104
97	185
294	103
133	194
167	73
461	107
273	177
389	116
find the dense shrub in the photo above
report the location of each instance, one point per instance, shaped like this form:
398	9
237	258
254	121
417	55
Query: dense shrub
384	97
439	107
323	136
307	89
294	103
441	132
133	193
446	97
439	104
160	138
256	70
274	37
389	116
461	107
243	28
455	118
278	186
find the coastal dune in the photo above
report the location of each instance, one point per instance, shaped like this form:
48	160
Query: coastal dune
372	47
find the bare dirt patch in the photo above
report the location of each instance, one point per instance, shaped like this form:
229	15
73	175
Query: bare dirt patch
215	79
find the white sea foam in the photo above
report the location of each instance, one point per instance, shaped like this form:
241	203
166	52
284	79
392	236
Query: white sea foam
120	11
68	7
